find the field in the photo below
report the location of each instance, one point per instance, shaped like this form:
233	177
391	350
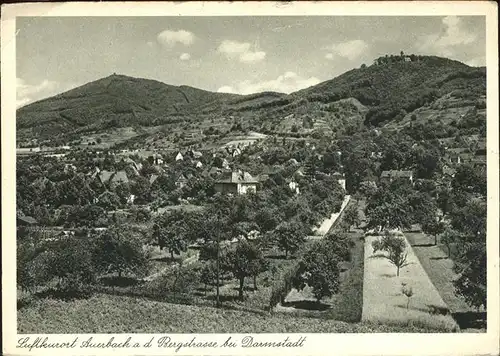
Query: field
121	314
440	270
383	300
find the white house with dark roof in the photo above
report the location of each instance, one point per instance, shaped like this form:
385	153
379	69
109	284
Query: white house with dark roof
236	183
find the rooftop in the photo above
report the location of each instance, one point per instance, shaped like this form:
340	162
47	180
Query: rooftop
237	177
396	174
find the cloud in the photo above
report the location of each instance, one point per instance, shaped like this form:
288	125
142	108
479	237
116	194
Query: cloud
241	51
350	49
27	93
452	35
185	57
286	83
248	57
170	38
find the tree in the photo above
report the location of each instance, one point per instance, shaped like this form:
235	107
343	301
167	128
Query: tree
389	206
470	264
171	231
141	189
208	274
470	259
448	237
470	220
351	216
395	247
244	260
433	227
122	190
408	292
31	264
426	161
423	207
70	261
289	236
109	201
367	188
339	244
318	269
118	250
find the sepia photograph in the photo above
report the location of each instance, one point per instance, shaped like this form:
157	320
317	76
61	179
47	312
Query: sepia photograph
251	174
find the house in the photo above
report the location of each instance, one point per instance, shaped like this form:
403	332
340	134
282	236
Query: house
299	173
213	171
294	186
236	183
340	178
25	221
131	199
27	150
376	154
181	181
133	167
225	163
179	157
104	176
448	171
480	148
68	167
153	178
198	164
113	178
236	152
389	176
156	159
195	154
119	177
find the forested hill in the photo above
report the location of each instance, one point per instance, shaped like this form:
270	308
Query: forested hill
396	84
379	94
116	100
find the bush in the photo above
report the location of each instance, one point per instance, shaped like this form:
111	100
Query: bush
119	250
282	286
70	262
177	280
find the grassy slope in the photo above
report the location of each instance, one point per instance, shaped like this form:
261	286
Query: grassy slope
439	268
382	297
118	314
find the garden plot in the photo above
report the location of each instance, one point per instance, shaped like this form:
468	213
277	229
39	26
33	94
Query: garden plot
384	302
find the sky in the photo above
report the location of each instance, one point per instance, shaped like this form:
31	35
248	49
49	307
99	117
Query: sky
227	54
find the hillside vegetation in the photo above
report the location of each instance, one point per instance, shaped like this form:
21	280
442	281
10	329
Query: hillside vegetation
391	92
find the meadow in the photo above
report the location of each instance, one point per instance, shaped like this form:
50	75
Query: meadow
383	300
104	313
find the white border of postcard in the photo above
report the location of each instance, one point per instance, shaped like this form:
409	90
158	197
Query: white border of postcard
315	344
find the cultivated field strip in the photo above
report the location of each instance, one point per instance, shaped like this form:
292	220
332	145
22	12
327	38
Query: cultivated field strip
384	302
